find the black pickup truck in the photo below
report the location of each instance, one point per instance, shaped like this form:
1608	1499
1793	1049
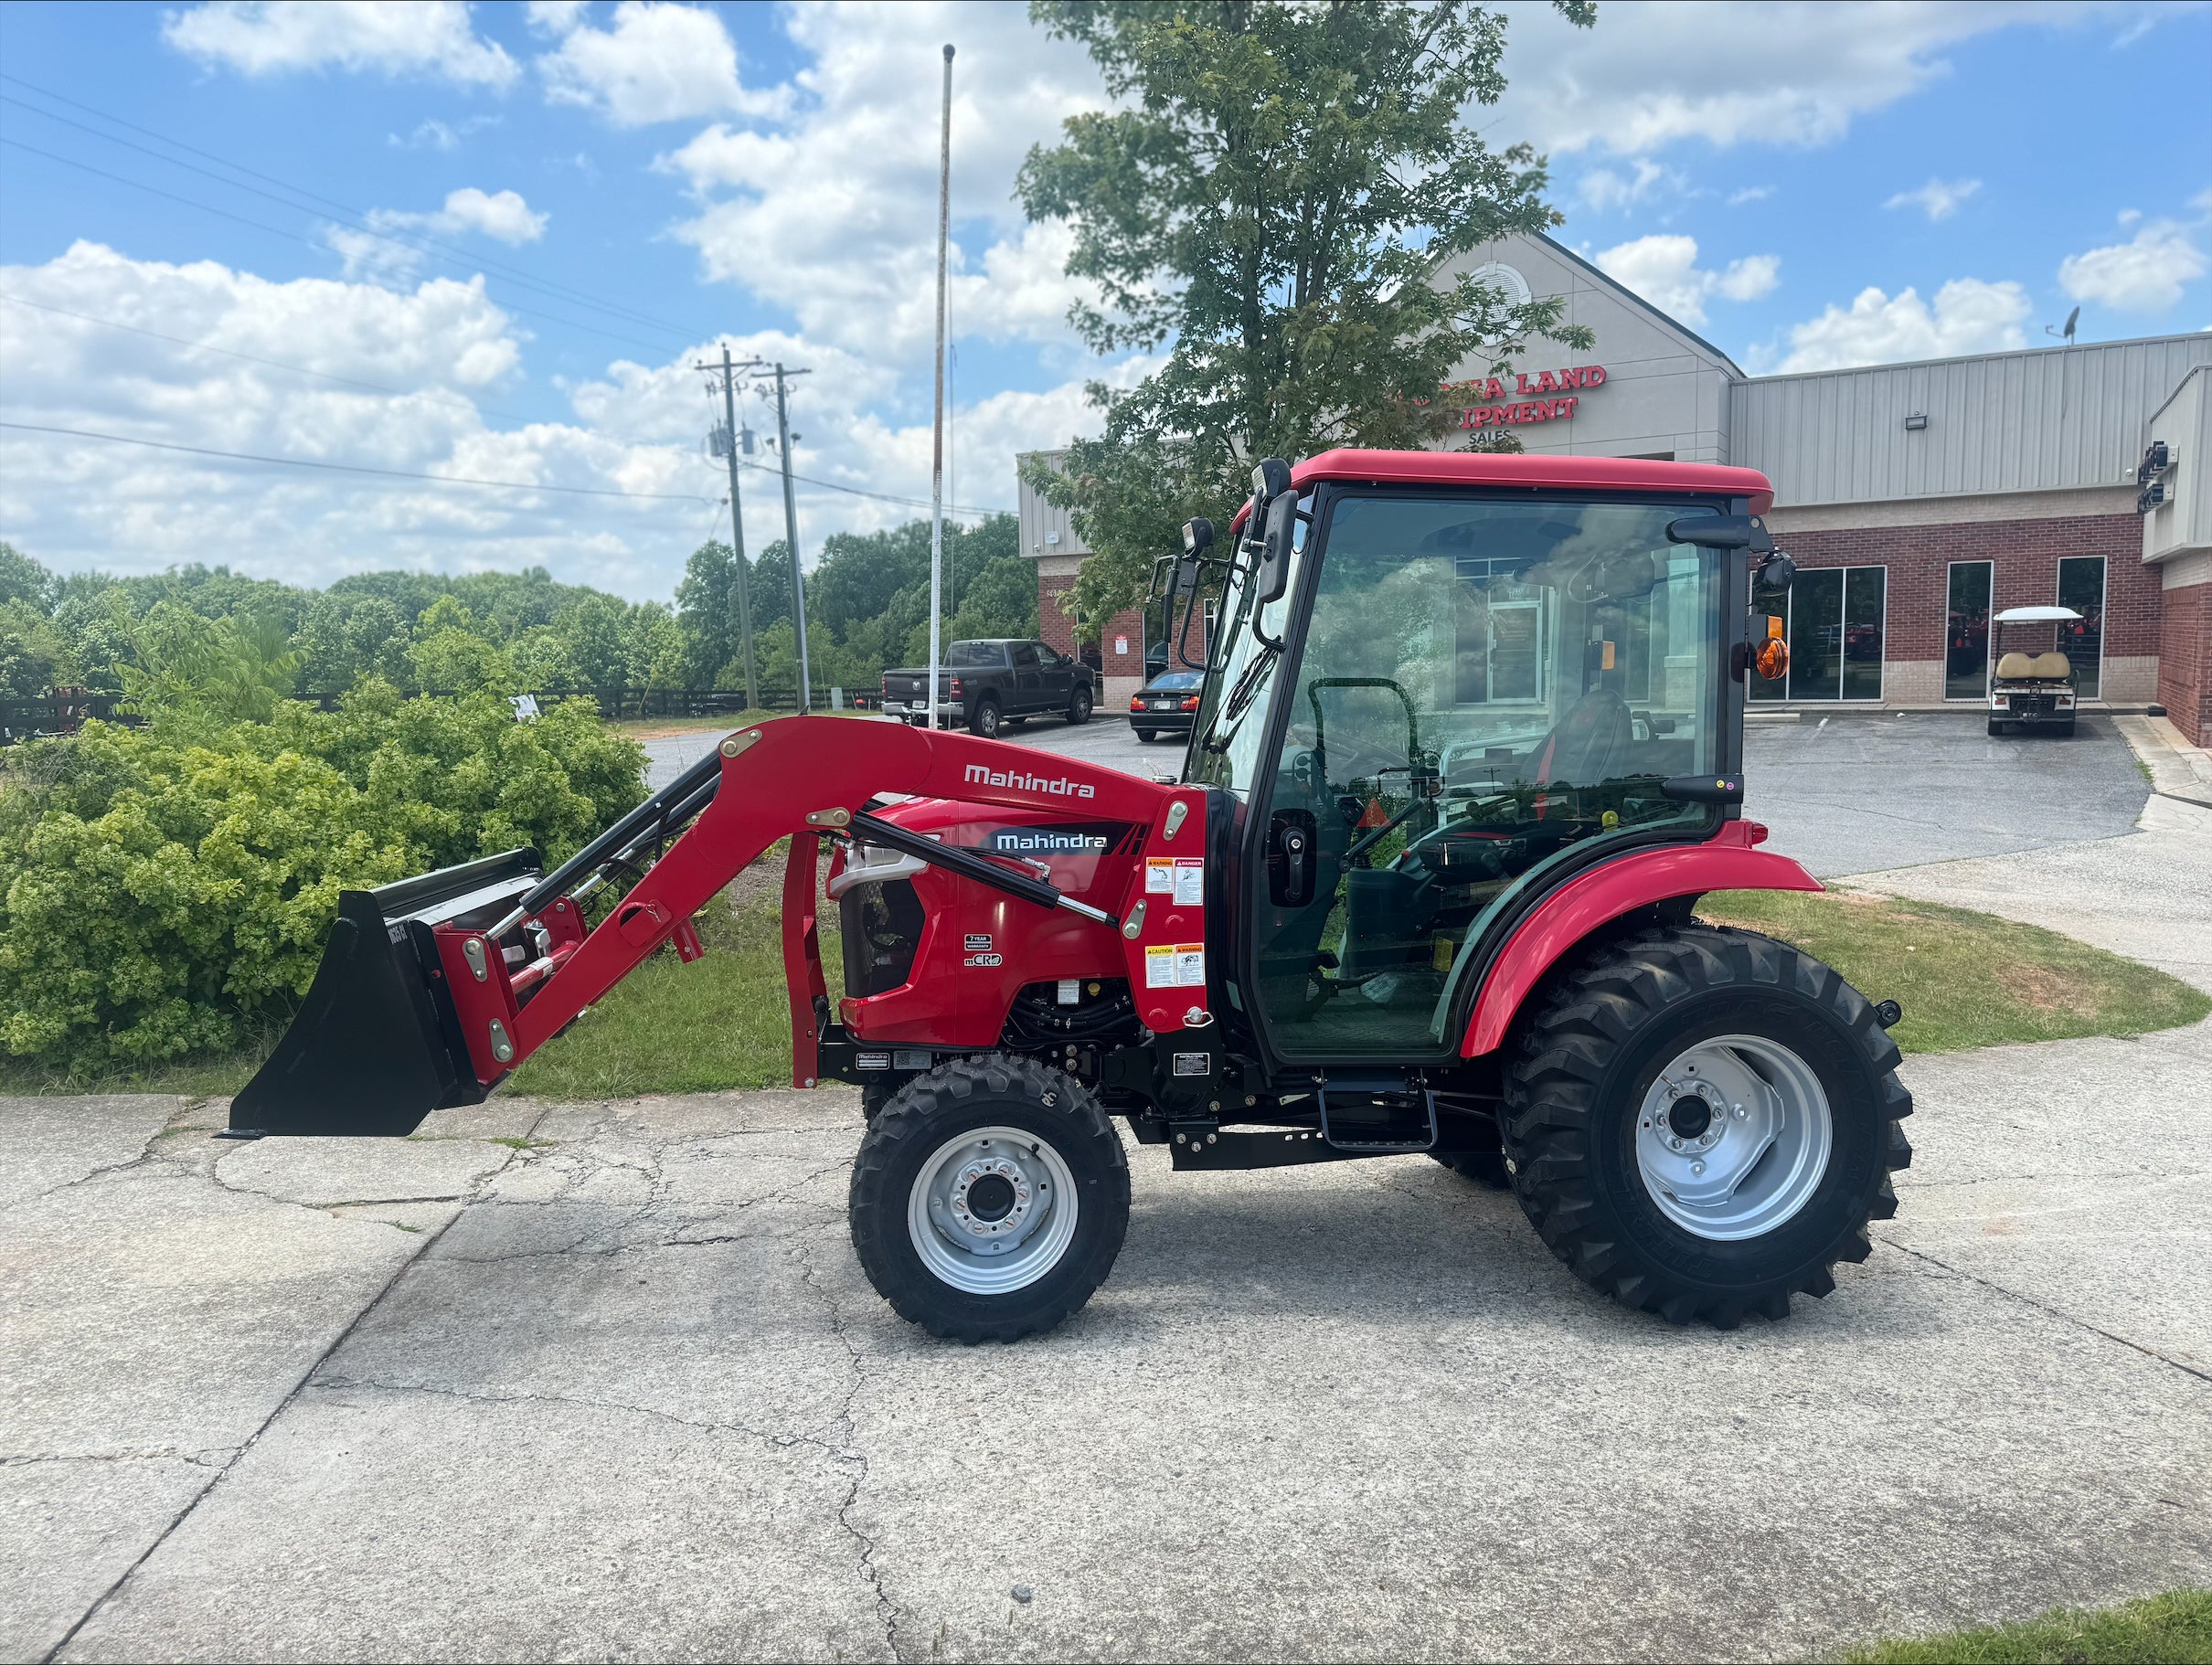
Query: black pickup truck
988	683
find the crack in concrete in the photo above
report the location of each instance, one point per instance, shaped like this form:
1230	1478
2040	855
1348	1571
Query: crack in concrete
222	1470
783	1441
2050	1312
204	1459
847	1423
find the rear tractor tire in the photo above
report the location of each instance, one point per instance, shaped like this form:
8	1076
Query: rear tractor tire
989	1199
1701	1122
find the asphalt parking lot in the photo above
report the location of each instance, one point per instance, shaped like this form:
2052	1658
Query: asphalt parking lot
1843	794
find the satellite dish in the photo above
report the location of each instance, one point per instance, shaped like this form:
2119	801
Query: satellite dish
2065	329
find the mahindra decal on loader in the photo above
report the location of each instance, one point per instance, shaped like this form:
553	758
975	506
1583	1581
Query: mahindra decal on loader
1466	757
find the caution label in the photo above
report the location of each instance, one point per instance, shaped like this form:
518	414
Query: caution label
1174	965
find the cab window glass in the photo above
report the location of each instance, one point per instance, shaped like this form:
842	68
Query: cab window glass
1486	690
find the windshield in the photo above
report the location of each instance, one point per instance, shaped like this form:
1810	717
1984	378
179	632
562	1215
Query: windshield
1232	717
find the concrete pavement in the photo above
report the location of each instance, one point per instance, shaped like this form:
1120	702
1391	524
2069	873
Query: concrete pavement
605	1379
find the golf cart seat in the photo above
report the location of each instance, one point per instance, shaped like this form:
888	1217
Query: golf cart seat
2035	667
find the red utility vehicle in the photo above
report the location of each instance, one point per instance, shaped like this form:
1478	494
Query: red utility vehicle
1466	757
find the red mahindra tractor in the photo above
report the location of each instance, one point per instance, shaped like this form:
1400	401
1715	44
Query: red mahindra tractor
1466	757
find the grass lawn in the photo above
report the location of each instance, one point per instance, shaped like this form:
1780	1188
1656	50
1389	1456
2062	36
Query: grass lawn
721	1022
1965	979
2174	1629
659	728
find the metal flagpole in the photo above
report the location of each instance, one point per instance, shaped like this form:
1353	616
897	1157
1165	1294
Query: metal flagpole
937	463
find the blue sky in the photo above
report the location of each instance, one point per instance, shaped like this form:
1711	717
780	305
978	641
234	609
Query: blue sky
613	188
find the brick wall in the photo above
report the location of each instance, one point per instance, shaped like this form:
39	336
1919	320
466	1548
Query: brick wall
2184	662
2025	557
1059	629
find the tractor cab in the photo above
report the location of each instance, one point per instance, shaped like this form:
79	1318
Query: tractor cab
2032	684
1434	704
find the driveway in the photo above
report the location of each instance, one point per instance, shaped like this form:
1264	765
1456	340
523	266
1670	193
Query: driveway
616	1386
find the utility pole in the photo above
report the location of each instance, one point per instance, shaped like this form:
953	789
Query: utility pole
737	521
790	538
937	463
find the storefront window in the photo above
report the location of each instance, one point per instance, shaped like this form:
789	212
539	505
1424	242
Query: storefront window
1967	632
1834	618
2081	588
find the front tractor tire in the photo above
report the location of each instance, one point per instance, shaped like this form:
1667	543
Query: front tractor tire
989	1199
1701	1122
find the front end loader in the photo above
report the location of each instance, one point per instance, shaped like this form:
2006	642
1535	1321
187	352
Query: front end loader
1467	754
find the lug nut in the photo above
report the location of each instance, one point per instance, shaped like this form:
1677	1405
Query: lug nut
1696	1167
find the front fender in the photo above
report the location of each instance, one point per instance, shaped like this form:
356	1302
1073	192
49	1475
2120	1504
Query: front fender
1564	918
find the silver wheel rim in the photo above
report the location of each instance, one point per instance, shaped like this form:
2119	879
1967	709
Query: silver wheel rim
1733	1138
993	1211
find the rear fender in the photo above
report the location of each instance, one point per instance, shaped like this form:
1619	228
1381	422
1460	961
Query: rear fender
1566	918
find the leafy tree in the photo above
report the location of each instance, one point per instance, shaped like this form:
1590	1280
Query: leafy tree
707	614
1275	193
347	637
32	650
25	580
453	660
193	672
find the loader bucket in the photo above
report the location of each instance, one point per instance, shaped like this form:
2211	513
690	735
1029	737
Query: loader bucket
377	1046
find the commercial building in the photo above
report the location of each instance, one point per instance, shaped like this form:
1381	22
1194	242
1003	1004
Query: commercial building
1917	498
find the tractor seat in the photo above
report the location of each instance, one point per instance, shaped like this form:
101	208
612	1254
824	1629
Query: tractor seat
2035	667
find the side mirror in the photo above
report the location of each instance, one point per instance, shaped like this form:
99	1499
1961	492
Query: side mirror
1712	531
1272	576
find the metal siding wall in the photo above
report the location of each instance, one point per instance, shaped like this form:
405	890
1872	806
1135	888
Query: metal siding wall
2042	420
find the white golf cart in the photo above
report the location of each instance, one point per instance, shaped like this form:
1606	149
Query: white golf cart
2032	689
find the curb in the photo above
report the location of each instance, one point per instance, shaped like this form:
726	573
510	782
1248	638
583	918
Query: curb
2178	770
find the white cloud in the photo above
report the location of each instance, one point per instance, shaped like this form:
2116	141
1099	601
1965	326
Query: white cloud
447	354
1604	188
430	133
430	38
389	251
2142	276
1663	270
1938	199
1645	76
1750	193
845	193
1969	316
658	63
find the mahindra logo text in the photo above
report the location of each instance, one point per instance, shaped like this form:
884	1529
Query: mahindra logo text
982	775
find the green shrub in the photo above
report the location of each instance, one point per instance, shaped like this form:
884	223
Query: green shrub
168	889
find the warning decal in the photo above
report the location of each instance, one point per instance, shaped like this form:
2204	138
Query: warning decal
1180	878
1174	965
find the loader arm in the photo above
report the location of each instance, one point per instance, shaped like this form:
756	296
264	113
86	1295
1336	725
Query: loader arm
477	1015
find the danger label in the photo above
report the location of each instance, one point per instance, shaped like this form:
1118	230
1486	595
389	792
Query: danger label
1180	878
1174	965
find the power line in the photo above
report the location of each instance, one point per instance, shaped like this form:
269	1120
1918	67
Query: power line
854	490
190	202
511	485
361	221
355	468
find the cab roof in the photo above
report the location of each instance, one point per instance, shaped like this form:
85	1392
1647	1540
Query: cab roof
1537	473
